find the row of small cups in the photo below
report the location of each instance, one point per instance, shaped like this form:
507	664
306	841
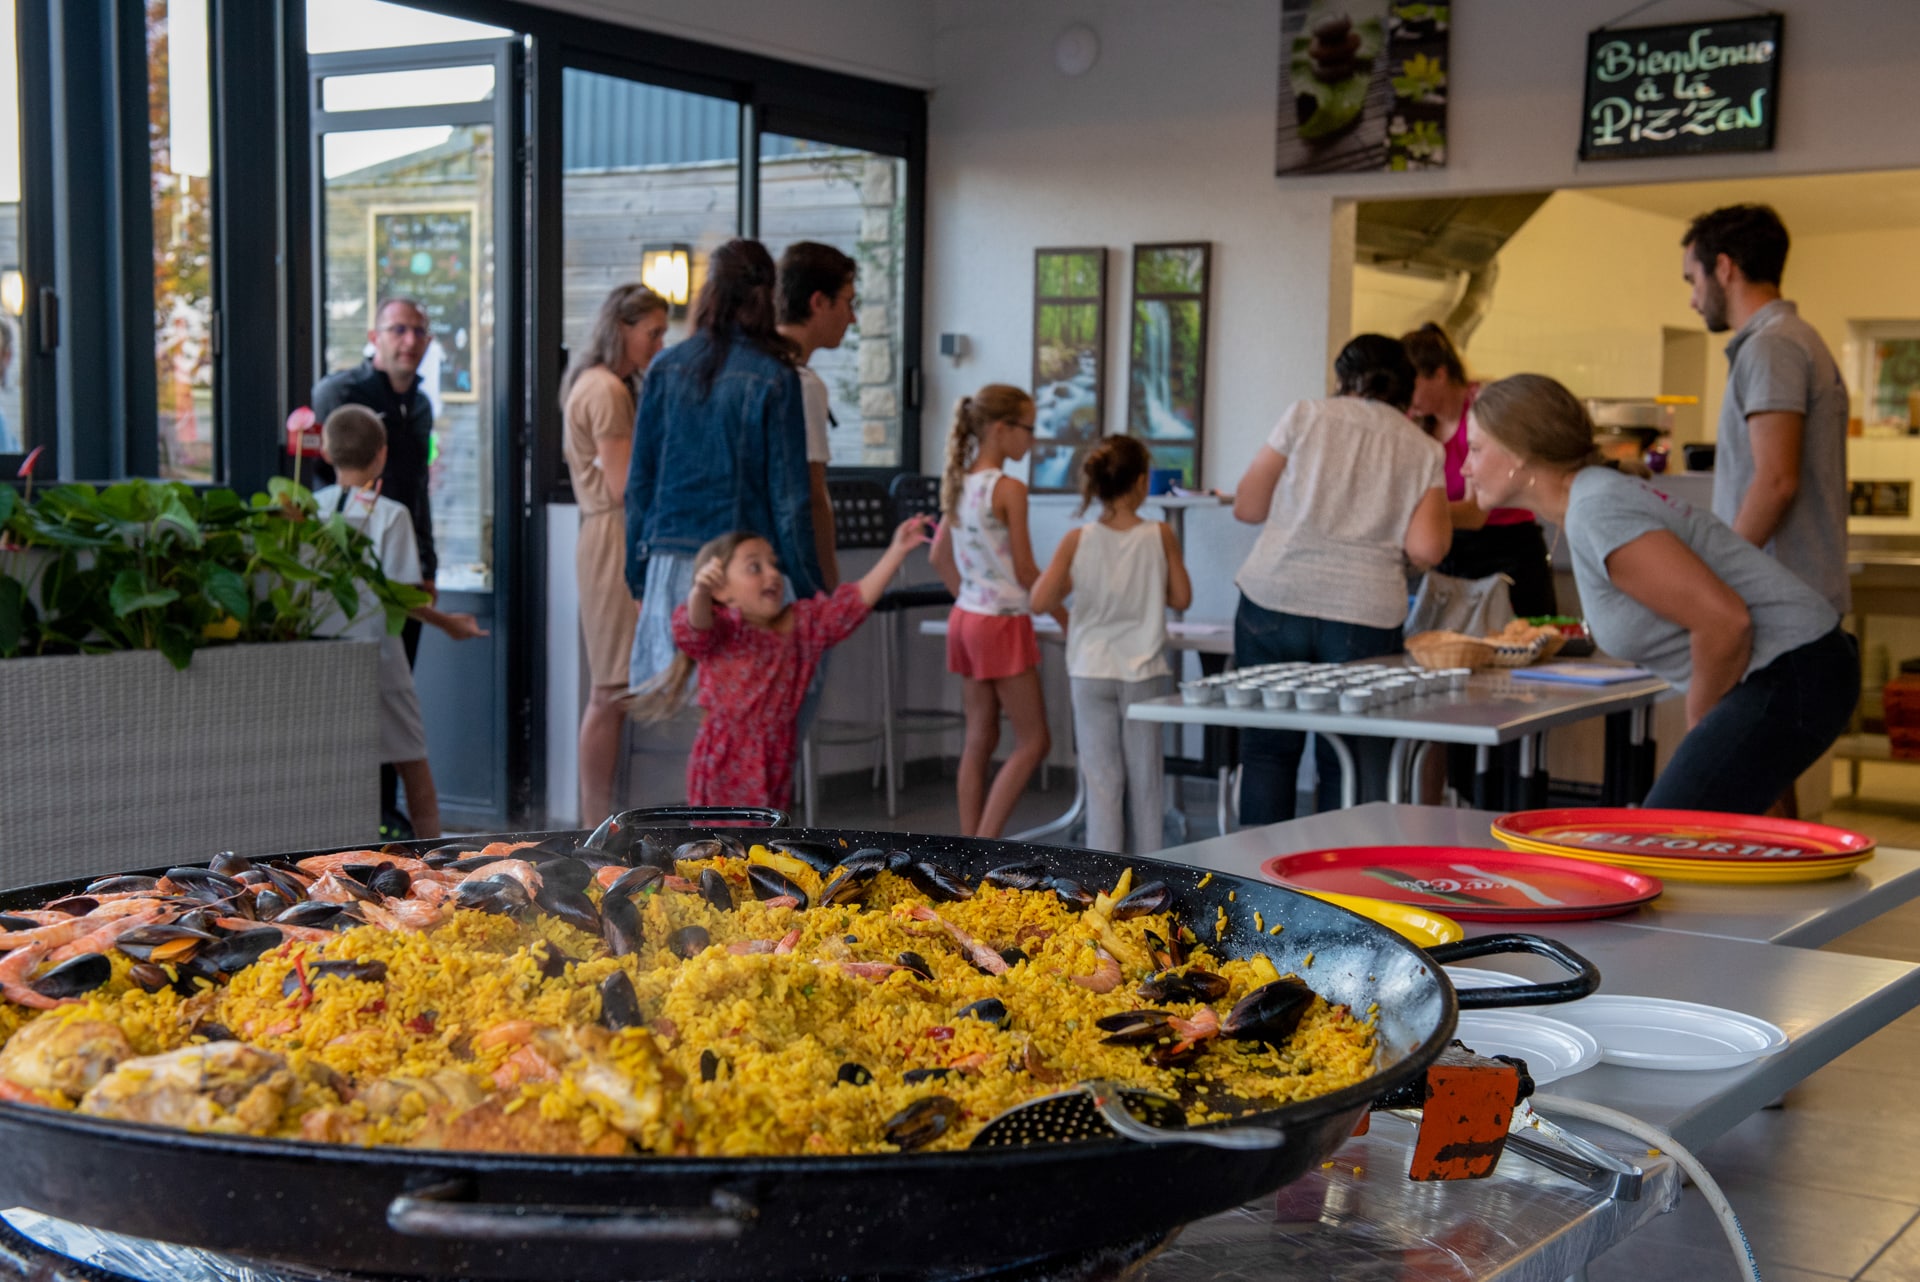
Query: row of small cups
1319	687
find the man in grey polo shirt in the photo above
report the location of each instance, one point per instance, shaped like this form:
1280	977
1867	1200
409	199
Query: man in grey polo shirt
1780	471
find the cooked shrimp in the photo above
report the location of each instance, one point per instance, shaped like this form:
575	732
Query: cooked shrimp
316	865
518	869
16	970
1105	977
104	936
977	953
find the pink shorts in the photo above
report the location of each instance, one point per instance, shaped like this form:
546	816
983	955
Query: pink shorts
987	647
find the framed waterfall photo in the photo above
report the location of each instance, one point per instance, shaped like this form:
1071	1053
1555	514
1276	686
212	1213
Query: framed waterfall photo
1069	359
1167	354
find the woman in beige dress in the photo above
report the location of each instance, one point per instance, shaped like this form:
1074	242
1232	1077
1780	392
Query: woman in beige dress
598	394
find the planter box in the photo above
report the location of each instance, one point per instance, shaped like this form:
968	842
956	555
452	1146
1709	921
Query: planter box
119	762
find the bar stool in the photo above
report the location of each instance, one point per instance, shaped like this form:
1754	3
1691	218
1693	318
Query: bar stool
862	518
911	495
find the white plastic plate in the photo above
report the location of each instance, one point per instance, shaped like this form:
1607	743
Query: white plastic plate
1465	977
1658	1032
1552	1049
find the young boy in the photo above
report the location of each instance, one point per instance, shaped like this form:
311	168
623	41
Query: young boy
355	443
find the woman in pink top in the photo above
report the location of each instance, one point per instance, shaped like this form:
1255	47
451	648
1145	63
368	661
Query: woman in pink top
1504	541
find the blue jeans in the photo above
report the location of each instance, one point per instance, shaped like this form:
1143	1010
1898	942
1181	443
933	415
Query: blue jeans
1765	732
1270	759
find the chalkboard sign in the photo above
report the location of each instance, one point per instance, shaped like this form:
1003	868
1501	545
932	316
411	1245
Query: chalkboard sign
427	253
1682	90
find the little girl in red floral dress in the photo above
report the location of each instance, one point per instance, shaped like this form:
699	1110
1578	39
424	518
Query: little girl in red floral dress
756	655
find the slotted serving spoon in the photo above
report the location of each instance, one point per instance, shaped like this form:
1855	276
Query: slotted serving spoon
1099	1110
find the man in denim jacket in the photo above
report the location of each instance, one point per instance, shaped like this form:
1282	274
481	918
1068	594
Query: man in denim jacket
719	444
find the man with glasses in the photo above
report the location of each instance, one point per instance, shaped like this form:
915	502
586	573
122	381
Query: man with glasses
388	383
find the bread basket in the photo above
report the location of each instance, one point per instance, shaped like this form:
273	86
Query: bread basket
1436	650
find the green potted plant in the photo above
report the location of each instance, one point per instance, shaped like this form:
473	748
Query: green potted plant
160	666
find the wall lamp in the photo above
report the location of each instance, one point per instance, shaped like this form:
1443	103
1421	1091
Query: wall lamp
667	270
13	291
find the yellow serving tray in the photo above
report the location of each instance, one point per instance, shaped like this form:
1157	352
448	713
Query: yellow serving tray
1416	924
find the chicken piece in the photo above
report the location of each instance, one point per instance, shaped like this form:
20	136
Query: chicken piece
448	1090
228	1087
64	1055
489	1128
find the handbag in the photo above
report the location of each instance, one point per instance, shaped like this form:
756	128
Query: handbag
1476	607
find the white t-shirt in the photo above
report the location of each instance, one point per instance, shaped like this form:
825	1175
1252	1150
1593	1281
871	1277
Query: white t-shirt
1334	543
814	404
390	526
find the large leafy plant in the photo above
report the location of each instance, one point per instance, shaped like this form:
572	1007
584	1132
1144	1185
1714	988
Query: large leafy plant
151	565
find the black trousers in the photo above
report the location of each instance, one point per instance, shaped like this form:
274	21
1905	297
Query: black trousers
1517	551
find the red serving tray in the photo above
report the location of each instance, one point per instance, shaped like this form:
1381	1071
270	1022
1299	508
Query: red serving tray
1471	883
1689	836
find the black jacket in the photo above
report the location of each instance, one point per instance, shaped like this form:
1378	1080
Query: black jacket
409	422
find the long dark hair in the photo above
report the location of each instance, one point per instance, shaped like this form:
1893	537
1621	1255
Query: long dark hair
737	299
1375	368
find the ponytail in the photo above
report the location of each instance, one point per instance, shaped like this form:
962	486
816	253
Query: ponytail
1111	470
666	694
994	403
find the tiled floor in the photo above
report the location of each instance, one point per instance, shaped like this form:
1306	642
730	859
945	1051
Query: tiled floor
1827	1186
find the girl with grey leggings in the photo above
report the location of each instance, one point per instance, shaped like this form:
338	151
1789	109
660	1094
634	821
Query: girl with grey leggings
1124	573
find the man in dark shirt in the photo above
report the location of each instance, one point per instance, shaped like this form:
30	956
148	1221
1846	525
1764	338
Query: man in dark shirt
388	383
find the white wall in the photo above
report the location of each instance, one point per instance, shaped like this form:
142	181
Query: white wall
1170	136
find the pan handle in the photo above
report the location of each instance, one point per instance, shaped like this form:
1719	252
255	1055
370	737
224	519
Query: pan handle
760	816
438	1211
1585	981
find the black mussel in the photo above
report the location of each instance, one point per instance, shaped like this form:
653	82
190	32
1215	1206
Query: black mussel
552	962
915	963
1070	892
252	877
569	906
867	859
73	905
456	849
1023	876
502	895
771	883
149	977
688	941
355	888
1133	1027
714	889
1013	956
1192	986
619	1004
240	906
291	888
1157	948
653	849
237	952
269	903
849	885
9	922
596	859
620	925
194	968
817	855
120	884
213	1031
922	1122
200	919
204	884
633	881
367	972
472	863
612	838
394	883
1154	897
1174	1054
897	860
164	942
854	1075
1270	1013
83	974
915	1076
988	1010
940	884
702	848
562	846
230	864
568	872
311	912
361	873
709	1066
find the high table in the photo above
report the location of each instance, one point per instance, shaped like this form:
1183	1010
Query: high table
1494	709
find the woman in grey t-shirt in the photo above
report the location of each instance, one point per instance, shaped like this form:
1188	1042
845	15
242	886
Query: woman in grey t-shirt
1770	678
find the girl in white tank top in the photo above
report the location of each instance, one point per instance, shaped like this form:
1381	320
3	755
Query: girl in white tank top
1125	574
986	560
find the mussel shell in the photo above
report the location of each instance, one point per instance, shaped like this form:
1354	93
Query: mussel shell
559	847
229	864
1154	897
1022	876
853	1074
73	905
10	922
148	977
653	849
1174	1054
1190	986
311	912
471	863
707	848
1014	956
1134	1027
619	1004
620	925
121	883
552	962
709	1066
922	1122
714	889
370	972
394	883
688	941
938	883
291	888
237	952
771	883
988	1010
849	885
1270	1013
268	903
81	974
140	942
1071	893
915	1076
213	1031
203	877
817	855
915	963
632	882
568	873
569	906
867	860
615	840
502	895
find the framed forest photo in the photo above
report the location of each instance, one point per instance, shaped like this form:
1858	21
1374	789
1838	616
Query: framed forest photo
1069	357
1167	354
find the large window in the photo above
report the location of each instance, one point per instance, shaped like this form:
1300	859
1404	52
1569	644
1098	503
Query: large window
13	280
180	169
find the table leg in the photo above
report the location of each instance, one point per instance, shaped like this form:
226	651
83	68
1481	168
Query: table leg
1349	776
1482	778
1065	821
1532	777
1397	772
1416	771
1642	754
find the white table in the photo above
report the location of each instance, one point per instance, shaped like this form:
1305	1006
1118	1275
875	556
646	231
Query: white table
1494	709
